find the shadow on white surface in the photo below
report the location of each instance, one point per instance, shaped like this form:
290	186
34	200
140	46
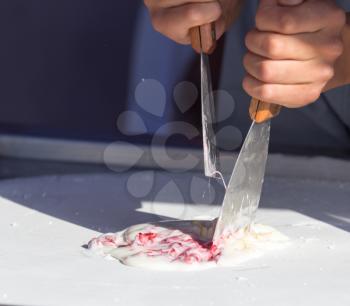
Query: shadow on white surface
102	202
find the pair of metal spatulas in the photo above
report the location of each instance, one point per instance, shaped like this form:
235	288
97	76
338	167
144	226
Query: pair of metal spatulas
243	192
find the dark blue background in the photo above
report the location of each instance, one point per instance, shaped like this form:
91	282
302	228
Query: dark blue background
64	65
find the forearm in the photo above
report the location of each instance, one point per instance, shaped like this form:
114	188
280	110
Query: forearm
342	67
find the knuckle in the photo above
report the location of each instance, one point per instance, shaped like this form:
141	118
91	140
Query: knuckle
286	23
300	103
157	22
336	48
265	92
193	14
246	86
249	39
197	16
339	16
246	61
293	104
327	72
265	71
216	10
259	19
312	95
272	46
147	3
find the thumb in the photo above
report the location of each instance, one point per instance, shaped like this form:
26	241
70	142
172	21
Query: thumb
290	2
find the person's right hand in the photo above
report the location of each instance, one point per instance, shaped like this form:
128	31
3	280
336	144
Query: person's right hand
175	18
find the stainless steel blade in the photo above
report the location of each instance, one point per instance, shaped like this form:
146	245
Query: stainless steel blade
244	189
211	156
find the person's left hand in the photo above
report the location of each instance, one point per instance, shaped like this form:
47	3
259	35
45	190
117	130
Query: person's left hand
293	50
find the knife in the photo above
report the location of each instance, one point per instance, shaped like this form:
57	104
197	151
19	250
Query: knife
203	40
243	192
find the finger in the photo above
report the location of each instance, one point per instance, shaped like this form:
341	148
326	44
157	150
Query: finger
291	96
176	22
287	71
278	46
156	4
310	16
304	46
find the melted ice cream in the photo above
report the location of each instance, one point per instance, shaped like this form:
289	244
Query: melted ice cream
185	245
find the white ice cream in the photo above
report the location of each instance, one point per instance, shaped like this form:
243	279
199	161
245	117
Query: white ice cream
186	245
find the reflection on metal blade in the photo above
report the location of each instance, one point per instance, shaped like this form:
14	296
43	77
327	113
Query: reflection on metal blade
211	158
244	189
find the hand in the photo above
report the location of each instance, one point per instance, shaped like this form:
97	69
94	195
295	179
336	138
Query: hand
175	18
293	50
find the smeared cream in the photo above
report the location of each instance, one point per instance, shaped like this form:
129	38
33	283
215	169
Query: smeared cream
185	245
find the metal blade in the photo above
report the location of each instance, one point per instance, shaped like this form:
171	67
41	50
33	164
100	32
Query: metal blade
244	189
211	158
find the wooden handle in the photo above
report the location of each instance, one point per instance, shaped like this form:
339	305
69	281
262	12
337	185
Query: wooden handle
262	111
203	38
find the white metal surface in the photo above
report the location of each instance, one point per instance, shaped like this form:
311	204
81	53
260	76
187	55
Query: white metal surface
45	221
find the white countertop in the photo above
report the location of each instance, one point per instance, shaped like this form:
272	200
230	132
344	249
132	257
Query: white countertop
45	221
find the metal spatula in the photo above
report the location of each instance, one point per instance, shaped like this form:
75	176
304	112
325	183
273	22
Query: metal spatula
204	41
243	192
